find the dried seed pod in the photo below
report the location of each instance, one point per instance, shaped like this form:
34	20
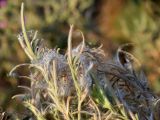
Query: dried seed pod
131	88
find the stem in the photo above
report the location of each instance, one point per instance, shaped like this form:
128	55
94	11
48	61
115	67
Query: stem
29	48
79	108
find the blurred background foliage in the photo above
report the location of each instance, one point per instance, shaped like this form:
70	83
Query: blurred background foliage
109	22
